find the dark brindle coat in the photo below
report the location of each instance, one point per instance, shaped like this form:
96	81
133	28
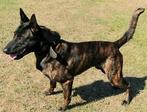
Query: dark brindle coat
60	60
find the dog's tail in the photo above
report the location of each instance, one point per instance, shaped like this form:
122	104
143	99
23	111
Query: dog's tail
129	33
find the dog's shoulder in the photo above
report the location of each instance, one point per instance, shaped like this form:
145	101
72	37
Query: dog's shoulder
62	48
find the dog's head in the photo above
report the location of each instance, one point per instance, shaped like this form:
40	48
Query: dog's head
26	37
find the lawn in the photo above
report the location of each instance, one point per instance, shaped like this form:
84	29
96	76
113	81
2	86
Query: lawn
22	86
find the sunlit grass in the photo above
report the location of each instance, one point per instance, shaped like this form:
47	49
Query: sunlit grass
22	86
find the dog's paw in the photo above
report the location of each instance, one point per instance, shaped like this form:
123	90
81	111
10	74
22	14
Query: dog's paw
125	103
47	93
62	109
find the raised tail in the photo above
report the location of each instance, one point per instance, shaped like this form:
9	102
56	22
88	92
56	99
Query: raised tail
129	33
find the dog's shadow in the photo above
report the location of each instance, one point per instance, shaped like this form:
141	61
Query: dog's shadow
99	90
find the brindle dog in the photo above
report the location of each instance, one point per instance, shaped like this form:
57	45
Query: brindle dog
60	60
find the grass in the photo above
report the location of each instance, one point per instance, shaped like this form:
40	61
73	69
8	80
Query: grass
22	86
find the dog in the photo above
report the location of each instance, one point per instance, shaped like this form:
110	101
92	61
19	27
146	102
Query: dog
61	60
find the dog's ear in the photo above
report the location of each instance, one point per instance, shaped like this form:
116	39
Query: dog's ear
23	17
34	24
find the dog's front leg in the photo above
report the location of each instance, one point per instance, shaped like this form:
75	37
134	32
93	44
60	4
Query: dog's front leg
67	90
51	89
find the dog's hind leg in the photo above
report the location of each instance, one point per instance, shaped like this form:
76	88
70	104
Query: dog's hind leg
119	82
113	69
67	90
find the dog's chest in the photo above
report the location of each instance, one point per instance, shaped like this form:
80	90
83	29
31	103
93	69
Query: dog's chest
56	71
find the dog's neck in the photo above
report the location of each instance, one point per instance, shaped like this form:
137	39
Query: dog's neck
44	51
44	47
39	57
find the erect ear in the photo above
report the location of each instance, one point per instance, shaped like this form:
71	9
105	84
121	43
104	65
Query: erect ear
23	17
33	23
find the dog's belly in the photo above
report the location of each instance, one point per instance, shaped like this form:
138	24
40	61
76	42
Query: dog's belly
80	62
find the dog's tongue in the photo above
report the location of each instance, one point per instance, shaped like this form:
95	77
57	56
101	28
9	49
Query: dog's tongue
13	56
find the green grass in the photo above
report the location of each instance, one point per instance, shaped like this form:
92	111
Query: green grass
22	86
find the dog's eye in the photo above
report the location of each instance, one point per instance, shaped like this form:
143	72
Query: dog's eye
19	39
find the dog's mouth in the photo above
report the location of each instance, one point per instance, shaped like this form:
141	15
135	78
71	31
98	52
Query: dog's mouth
17	55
